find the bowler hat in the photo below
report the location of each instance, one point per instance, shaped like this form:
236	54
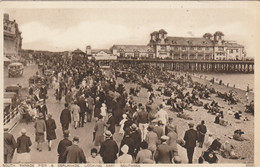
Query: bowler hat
75	139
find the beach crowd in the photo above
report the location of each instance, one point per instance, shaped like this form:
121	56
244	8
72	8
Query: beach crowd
149	134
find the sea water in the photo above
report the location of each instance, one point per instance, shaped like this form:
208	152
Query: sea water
239	80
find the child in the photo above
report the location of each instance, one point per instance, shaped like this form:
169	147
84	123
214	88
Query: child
122	124
94	158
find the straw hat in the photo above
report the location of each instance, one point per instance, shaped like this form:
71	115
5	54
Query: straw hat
108	134
165	137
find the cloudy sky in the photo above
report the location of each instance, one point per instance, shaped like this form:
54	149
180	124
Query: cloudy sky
68	29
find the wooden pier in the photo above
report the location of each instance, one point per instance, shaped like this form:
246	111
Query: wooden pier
226	66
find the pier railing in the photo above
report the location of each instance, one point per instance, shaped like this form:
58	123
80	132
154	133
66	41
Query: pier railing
232	66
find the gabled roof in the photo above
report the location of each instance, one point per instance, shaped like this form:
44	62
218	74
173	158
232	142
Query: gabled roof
235	45
133	48
95	51
188	41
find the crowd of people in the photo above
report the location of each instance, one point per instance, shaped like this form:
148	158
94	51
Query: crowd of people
148	134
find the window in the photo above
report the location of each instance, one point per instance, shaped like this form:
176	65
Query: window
191	48
237	50
231	50
175	48
183	48
199	48
207	48
163	47
220	48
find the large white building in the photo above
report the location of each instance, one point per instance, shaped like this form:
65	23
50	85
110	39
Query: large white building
208	47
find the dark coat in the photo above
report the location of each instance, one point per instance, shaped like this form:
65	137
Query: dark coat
23	144
51	126
97	110
82	104
136	136
111	124
163	154
65	116
190	138
130	143
74	154
202	130
108	151
43	109
9	143
63	144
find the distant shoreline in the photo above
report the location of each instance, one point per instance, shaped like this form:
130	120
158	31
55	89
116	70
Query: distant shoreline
223	88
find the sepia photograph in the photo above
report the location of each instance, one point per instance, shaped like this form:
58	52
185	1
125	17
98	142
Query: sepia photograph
129	83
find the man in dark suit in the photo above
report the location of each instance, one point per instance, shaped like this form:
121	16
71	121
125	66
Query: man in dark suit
109	149
9	146
23	147
73	153
202	130
65	118
111	122
190	139
63	144
83	110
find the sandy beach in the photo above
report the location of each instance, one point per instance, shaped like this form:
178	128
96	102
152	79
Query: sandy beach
244	149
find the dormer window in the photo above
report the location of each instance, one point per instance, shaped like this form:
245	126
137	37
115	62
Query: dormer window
174	42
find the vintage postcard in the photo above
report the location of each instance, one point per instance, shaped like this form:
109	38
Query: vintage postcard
129	83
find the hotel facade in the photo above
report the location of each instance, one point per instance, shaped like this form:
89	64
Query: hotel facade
208	47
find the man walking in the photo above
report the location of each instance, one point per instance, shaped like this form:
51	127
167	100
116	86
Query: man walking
83	109
9	146
190	139
23	147
163	153
40	129
73	153
143	120
202	130
65	118
111	122
90	102
75	110
63	144
109	149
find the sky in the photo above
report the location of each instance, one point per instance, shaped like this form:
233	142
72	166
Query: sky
59	29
